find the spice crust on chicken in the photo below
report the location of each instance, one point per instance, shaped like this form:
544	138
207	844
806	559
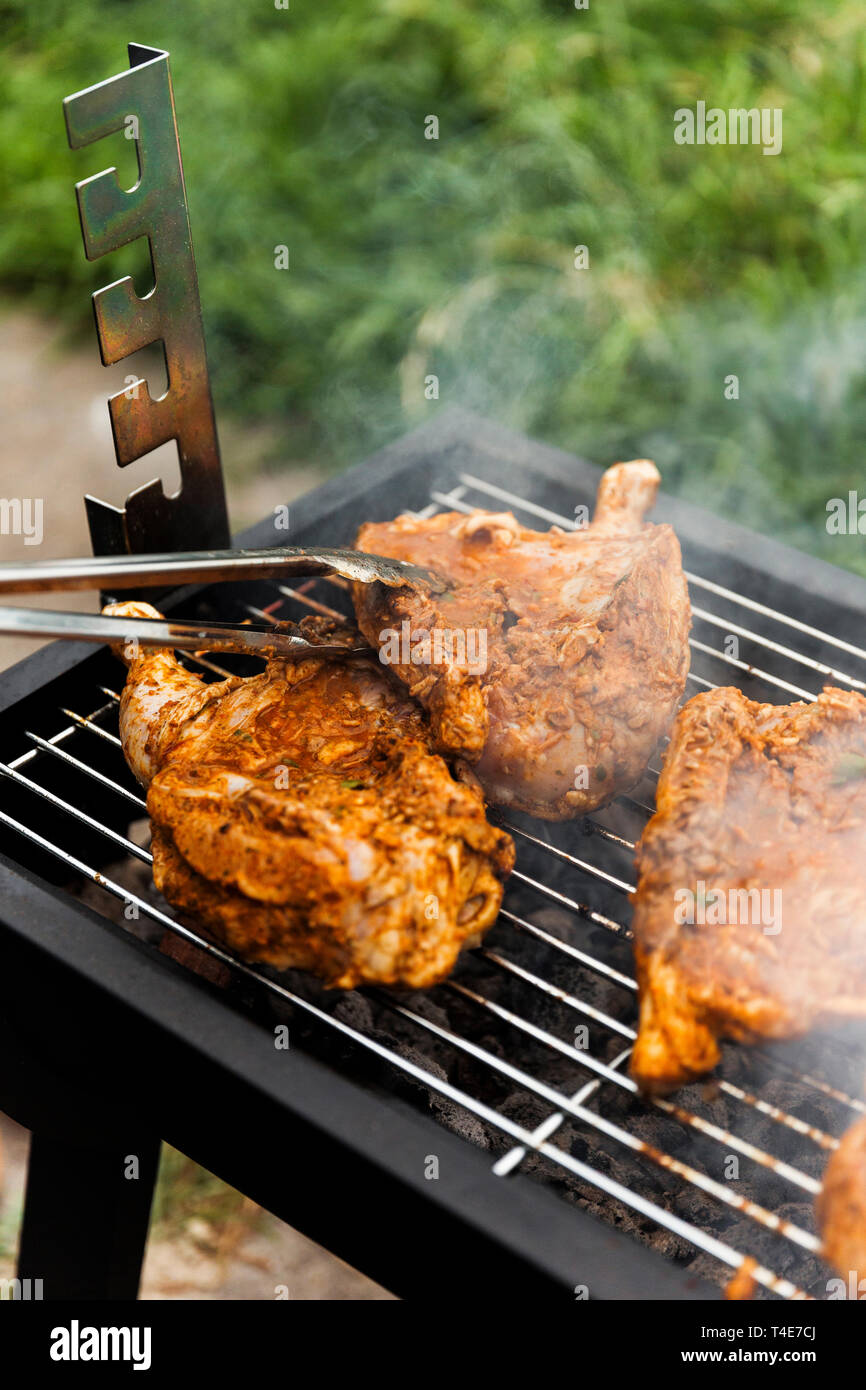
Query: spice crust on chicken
303	818
764	807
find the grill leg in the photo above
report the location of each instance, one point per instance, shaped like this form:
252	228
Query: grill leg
85	1223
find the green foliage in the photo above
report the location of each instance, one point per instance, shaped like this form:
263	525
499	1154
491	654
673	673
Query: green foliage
455	257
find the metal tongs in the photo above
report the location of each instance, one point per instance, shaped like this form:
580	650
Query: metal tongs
139	571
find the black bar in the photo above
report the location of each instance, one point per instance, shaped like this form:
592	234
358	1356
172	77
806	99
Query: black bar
85	1219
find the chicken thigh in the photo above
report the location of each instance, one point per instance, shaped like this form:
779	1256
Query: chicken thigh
554	661
302	816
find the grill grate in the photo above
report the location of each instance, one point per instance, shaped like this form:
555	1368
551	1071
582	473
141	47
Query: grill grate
796	1149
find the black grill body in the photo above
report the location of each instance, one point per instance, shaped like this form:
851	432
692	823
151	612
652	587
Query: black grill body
113	1046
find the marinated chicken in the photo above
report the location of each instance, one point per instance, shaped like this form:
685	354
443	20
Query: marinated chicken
842	1208
302	817
554	661
750	909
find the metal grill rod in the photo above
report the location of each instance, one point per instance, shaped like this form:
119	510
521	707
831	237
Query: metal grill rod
815	1081
44	746
513	1159
85	722
777	647
199	660
779	617
599	967
583	909
808	695
598	1122
572	859
686	1117
699	680
773	1112
7	770
288	592
58	738
594	827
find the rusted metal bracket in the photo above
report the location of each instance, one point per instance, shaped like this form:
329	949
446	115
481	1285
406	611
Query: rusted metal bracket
140	102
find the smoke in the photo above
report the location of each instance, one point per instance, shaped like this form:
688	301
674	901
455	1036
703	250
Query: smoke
591	361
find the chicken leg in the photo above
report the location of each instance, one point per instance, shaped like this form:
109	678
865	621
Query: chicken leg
583	635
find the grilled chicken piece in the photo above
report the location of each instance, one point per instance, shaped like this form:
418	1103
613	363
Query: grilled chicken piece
761	817
841	1207
302	817
586	637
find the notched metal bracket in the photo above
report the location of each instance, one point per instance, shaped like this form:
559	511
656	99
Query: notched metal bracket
141	102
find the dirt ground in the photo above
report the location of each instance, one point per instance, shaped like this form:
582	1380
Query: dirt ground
56	445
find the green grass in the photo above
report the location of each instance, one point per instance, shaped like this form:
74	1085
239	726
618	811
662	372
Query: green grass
412	257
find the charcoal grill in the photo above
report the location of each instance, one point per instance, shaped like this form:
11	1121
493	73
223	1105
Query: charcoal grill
485	1134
